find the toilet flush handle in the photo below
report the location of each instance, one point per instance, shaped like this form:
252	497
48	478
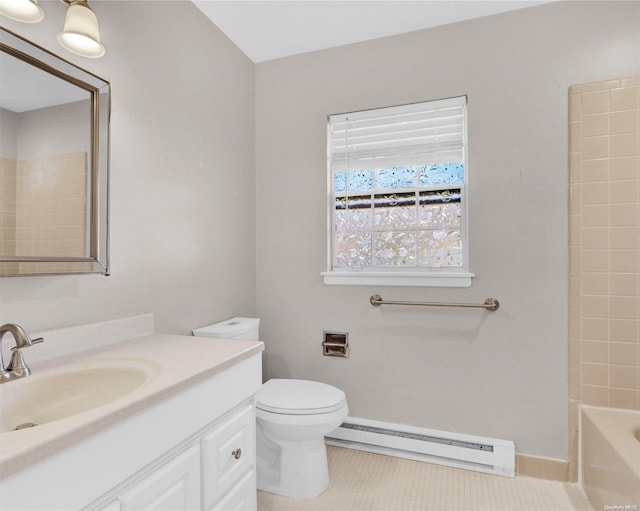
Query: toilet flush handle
237	453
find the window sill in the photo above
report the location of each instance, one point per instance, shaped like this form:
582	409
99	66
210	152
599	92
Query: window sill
439	279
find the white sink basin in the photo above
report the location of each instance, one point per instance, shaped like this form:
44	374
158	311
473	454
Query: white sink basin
50	396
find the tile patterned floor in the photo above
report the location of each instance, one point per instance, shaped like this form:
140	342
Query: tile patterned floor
364	481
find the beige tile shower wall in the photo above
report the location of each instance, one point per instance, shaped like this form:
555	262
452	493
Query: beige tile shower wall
51	203
604	247
7	211
7	206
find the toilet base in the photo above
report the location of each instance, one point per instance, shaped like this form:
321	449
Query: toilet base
293	469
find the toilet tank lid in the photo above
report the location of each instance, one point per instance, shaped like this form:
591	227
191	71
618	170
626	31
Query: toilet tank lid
228	328
298	395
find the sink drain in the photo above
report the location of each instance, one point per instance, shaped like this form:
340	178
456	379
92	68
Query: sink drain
25	425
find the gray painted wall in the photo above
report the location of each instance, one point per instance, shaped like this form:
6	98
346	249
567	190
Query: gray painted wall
9	128
501	374
184	208
182	175
55	130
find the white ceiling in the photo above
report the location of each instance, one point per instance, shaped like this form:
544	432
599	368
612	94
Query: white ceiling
267	30
26	87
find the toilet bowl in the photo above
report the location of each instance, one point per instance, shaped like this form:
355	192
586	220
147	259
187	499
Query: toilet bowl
292	418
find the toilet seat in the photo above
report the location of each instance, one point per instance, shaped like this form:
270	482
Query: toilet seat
299	397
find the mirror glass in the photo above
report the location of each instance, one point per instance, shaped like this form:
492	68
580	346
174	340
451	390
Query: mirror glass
54	135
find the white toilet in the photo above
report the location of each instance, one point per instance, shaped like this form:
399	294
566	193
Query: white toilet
293	416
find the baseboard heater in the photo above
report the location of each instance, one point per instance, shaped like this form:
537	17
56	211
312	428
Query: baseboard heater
469	452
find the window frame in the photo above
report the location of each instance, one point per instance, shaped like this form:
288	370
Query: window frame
449	276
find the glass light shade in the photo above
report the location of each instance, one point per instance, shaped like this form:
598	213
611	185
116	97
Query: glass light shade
27	11
81	34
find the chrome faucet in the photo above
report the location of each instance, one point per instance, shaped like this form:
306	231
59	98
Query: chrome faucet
17	368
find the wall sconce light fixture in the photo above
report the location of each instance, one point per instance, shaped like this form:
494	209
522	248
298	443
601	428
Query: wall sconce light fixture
81	33
27	11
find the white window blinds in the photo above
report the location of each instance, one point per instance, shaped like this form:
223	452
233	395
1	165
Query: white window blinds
397	196
416	134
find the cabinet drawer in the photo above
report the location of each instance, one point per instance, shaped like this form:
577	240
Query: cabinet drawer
227	453
241	497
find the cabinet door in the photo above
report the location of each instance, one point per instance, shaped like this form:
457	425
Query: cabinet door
174	486
228	452
242	497
111	506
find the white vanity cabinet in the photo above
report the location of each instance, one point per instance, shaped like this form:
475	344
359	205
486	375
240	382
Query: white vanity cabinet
190	449
213	471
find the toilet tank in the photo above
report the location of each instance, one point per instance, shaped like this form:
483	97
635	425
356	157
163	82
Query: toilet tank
234	328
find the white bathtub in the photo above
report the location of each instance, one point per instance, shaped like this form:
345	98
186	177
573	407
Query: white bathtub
610	450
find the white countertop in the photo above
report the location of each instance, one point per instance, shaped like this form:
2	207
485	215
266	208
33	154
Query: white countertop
176	362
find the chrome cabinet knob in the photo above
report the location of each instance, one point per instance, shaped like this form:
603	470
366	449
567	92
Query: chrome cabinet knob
237	453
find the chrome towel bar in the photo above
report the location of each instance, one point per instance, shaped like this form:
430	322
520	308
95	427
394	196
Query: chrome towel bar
491	304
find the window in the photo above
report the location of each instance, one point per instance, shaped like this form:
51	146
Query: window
397	196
